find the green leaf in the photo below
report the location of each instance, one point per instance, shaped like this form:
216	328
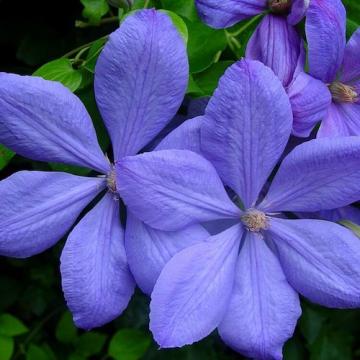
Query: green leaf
93	54
185	8
94	10
311	323
61	70
179	24
129	344
332	345
204	46
11	326
65	331
294	350
6	347
36	353
208	79
5	156
193	88
72	169
90	343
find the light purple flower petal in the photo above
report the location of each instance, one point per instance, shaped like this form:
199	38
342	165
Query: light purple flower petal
317	175
339	121
43	120
192	293
171	189
325	33
225	13
148	250
320	260
298	11
351	64
96	279
38	208
263	308
246	127
184	137
277	45
310	100
140	79
350	213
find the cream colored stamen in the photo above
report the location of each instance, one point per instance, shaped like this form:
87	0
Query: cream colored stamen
111	181
343	93
255	220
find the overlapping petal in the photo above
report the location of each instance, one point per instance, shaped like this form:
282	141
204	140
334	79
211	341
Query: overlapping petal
171	189
140	79
317	175
43	120
222	14
325	32
351	63
191	295
184	137
148	250
246	127
342	120
263	308
95	275
277	45
320	260
310	100
298	11
38	208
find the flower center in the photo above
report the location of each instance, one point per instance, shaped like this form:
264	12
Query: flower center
255	220
343	93
281	7
111	181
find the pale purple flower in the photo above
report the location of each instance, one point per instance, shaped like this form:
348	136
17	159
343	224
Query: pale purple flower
141	77
245	280
338	65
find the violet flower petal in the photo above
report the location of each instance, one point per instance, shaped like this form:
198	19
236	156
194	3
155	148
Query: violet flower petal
351	64
277	45
140	79
96	279
342	120
317	175
298	11
246	127
192	293
263	308
148	250
325	32
310	100
38	208
184	137
225	13
43	120
350	213
320	260
171	189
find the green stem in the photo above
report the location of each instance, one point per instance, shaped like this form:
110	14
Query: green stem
246	26
109	20
146	4
87	45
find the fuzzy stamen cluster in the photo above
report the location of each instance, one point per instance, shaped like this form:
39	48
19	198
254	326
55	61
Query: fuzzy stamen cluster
343	93
111	181
255	220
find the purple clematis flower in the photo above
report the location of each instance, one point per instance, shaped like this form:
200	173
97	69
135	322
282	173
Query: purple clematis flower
226	13
279	46
337	64
245	280
140	80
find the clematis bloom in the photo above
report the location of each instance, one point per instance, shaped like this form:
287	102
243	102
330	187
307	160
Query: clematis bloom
338	66
140	80
245	280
